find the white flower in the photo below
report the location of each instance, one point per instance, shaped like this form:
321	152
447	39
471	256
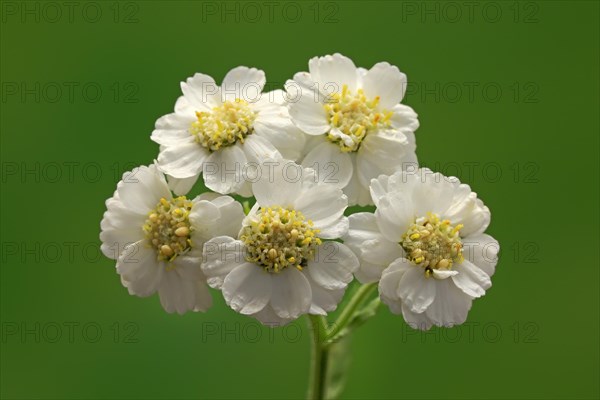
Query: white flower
359	129
218	131
426	244
278	267
157	239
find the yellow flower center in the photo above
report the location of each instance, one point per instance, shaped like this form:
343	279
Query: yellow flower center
279	239
224	125
433	244
354	116
168	228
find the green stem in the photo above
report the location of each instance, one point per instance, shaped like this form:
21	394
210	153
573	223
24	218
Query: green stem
319	358
321	336
357	299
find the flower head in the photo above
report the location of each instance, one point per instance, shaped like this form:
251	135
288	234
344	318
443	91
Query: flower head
218	131
281	265
354	120
426	246
157	239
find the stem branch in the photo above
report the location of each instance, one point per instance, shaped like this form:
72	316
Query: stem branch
359	297
320	346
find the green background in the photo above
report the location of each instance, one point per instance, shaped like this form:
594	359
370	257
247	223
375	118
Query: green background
532	117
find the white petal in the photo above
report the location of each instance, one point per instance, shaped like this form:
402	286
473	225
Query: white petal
443	274
291	294
334	230
471	279
390	281
379	188
394	215
476	221
142	188
416	321
203	297
324	205
229	222
482	250
114	204
331	164
381	251
243	83
402	183
335	71
358	194
468	210
420	192
416	291
172	297
273	100
221	255
387	82
433	193
245	190
203	212
279	183
353	189
183	160
361	72
258	149
184	108
391	277
395	305
181	186
114	240
188	265
120	227
268	317
210	196
404	119
368	273
247	289
275	125
363	227
180	294
313	141
383	153
222	170
323	300
333	265
201	92
373	247
309	114
451	305
300	82
141	272
172	129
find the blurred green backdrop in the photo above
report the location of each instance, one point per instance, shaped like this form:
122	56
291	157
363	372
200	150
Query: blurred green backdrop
507	94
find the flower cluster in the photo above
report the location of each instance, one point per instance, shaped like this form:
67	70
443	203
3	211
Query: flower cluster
336	136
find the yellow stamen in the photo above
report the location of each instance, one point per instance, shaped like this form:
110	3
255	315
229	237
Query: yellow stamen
168	229
354	116
280	238
433	244
223	125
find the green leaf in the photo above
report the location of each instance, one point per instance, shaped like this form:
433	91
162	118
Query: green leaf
337	368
